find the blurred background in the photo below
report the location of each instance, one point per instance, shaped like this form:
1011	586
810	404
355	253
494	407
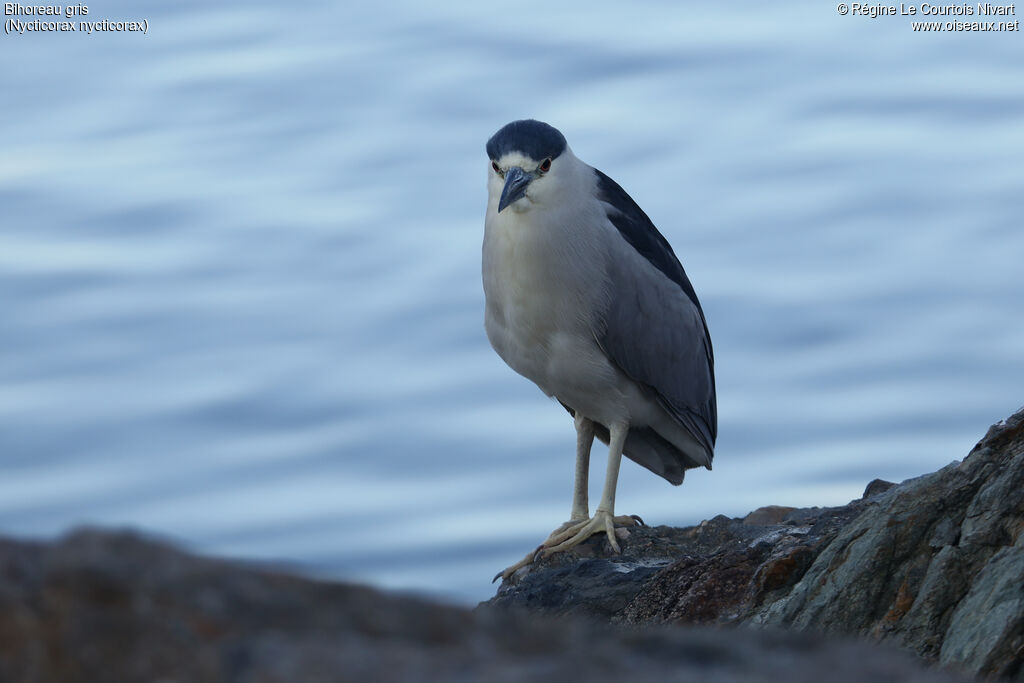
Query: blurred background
240	266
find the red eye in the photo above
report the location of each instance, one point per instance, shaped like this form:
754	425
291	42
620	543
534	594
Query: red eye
545	166
494	165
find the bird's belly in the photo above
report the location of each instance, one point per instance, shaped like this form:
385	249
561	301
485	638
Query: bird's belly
583	378
540	317
565	363
570	366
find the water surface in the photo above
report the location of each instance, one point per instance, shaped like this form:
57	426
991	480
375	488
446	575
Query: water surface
239	265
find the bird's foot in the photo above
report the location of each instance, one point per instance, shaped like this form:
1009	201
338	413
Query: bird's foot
571	534
507	572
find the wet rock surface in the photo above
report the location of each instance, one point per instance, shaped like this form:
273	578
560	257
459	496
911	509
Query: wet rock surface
934	565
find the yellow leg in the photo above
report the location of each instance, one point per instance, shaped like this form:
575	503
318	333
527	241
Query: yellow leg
604	517
584	440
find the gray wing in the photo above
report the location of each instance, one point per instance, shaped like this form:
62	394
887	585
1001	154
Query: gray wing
654	328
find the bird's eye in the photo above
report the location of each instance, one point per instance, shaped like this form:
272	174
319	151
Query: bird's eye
497	169
545	166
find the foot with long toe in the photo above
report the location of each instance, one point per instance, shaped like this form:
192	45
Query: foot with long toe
559	540
506	573
572	535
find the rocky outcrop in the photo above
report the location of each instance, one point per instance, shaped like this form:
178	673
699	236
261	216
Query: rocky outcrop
934	565
717	573
101	606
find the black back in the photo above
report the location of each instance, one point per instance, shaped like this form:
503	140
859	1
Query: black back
641	234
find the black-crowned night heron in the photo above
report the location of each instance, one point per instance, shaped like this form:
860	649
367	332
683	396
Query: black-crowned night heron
587	299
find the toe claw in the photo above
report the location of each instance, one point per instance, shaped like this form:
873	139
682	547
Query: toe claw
639	522
508	572
610	533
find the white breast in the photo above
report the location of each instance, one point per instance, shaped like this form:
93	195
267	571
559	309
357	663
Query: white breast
542	276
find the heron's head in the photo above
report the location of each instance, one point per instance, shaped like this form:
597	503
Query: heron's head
525	168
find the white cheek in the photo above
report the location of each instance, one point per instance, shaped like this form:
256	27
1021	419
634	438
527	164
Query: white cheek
542	190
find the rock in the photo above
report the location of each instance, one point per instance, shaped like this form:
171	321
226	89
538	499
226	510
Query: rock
714	573
876	487
934	565
769	514
101	606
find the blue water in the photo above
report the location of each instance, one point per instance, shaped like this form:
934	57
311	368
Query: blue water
239	266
